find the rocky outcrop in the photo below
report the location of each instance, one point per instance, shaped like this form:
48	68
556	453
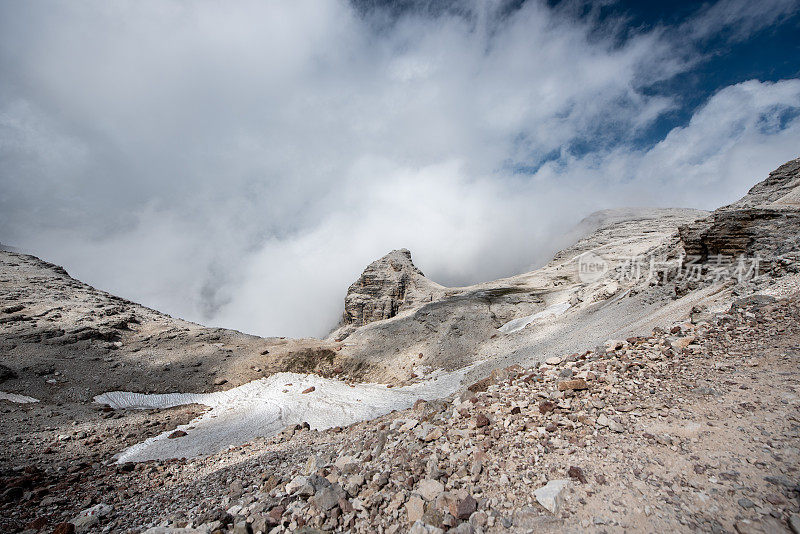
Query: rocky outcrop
385	288
781	190
768	233
764	224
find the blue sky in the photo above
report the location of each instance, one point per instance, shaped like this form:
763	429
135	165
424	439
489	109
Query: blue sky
238	164
770	53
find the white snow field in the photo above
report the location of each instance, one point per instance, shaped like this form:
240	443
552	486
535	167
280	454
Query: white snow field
19	399
265	407
515	325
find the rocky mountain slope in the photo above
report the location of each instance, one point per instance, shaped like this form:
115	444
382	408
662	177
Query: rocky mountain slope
636	338
764	223
695	429
645	252
64	341
460	327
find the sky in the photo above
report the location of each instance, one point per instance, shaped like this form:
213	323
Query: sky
239	163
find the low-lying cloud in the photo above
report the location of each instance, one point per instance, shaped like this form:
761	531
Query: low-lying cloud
239	164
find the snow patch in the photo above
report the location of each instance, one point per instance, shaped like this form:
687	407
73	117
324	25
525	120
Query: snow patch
19	399
266	406
516	325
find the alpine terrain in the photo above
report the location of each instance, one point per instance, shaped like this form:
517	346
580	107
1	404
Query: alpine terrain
646	379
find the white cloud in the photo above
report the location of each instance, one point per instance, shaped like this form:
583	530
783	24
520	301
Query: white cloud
240	164
737	20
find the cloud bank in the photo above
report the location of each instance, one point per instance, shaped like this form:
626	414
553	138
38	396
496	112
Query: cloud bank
239	164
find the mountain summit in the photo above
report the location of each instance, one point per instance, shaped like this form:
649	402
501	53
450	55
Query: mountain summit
387	287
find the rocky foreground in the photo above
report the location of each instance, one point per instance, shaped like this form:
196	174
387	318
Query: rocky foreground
697	428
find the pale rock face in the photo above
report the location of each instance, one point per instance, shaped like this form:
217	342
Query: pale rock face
765	223
538	314
385	288
781	189
551	495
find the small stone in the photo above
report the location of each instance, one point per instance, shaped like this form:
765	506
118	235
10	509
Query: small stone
604	420
421	528
553	360
481	420
683	342
177	434
274	515
576	473
463	528
429	489
327	498
479	519
546	406
550	496
415	507
574	384
309	390
464	508
220	382
433	435
746	503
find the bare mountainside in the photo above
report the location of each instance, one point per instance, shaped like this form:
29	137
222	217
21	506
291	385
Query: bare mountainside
646	334
63	340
